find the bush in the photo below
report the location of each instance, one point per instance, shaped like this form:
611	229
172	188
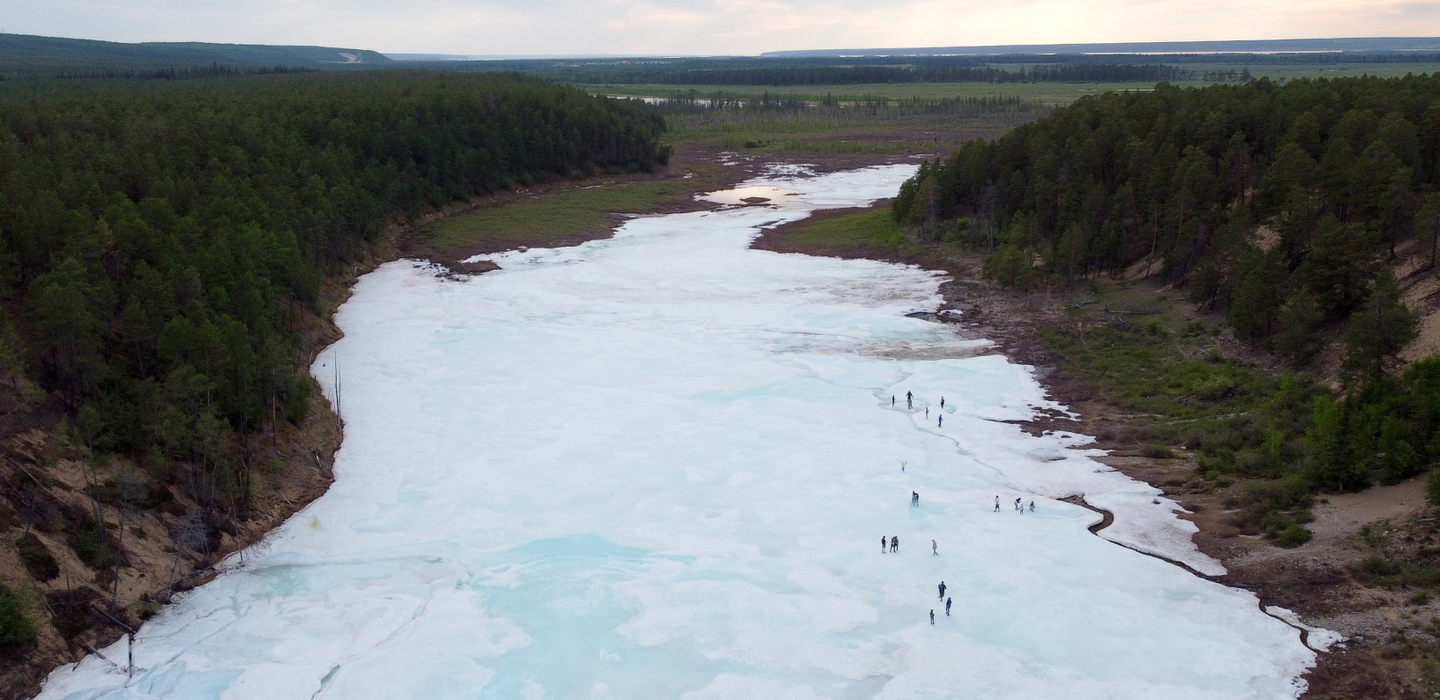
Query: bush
297	399
1376	567
1293	536
1432	488
16	627
1275	506
93	545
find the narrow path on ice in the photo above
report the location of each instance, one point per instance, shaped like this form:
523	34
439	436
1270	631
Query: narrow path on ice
1107	519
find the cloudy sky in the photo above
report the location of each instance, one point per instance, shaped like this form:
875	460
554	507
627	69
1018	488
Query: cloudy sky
707	27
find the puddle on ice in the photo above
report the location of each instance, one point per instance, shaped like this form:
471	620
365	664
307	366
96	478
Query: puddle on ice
754	194
656	466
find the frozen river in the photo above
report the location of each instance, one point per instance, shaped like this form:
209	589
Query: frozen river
658	466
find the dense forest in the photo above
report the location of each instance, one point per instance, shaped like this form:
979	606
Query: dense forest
159	248
1275	205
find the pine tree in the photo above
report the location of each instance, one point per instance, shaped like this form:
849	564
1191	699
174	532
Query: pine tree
1377	333
1427	223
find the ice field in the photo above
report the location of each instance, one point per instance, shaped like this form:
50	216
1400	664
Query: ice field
658	466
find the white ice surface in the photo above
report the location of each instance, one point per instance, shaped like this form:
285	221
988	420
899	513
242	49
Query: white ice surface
1317	638
657	466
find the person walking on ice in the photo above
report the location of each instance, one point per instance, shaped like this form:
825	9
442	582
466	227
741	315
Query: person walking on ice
914	498
947	607
942	402
927	413
997	504
892	401
1032	506
942	590
932	617
882	544
894	544
934	548
909	400
941	422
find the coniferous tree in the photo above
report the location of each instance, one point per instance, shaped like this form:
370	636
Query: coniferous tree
1376	334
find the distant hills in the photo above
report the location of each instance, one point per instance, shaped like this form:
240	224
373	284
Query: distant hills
21	49
1153	47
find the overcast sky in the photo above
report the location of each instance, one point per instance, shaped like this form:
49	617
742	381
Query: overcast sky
707	27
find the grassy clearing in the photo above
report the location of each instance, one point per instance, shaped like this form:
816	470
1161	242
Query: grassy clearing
1147	356
1325	70
853	233
564	215
1056	94
831	133
1137	347
553	217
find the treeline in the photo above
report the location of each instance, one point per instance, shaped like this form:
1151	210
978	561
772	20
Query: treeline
1277	205
816	70
693	101
214	70
868	74
157	250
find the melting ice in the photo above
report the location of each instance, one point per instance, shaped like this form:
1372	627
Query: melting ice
658	466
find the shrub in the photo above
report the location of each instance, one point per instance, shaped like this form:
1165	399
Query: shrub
1432	488
93	545
1274	506
16	627
297	399
1376	567
1293	535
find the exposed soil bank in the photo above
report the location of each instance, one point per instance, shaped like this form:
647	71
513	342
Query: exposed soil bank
166	548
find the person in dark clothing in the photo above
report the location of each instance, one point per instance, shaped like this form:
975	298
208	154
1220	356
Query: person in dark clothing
882	544
932	617
942	402
914	498
942	590
909	400
947	607
895	544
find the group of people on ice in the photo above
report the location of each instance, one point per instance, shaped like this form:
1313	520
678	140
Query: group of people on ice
947	604
1019	505
893	542
910	406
